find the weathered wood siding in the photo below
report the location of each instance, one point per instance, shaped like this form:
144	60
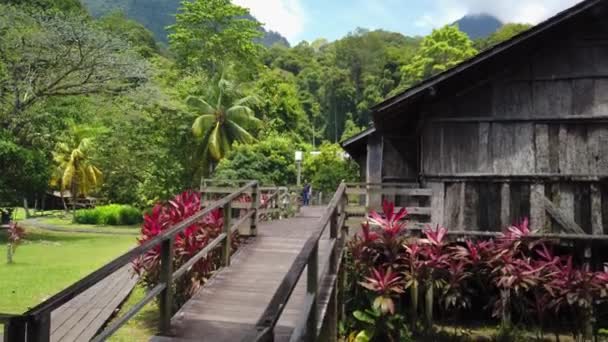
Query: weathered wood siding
535	128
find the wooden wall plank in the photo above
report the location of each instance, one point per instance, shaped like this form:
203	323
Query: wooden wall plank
552	98
541	136
566	200
582	206
597	225
505	205
600	104
563	162
583	96
470	211
512	99
554	148
537	208
437	203
452	205
483	161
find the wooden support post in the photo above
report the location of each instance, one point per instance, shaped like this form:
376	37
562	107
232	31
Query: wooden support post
255	205
437	203
538	217
166	296
39	328
332	314
311	289
505	205
226	243
15	330
596	210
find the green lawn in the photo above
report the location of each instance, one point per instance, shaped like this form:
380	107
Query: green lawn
48	261
143	325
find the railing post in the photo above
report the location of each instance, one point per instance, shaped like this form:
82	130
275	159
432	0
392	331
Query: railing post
39	328
255	205
166	277
312	279
226	245
15	330
333	235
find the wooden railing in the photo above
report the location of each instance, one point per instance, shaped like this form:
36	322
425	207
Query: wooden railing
274	200
364	197
308	258
35	324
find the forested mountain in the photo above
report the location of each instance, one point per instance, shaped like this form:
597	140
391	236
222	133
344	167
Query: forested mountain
156	15
478	26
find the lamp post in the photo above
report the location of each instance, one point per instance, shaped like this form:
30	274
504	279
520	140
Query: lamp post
299	164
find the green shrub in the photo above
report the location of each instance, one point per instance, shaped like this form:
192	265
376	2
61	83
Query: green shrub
113	215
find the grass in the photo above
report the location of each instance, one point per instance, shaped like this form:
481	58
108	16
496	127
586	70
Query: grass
143	325
47	262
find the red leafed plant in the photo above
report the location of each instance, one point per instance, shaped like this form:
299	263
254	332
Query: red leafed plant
15	237
186	244
385	284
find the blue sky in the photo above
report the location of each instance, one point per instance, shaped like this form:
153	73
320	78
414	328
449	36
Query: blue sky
332	19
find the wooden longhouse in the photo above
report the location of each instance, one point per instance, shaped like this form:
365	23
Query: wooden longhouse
520	130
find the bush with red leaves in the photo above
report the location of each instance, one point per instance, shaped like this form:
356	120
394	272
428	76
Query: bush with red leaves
515	277
186	244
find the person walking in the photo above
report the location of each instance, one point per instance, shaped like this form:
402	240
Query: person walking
306	194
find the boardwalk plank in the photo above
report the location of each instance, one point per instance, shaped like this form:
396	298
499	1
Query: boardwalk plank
229	305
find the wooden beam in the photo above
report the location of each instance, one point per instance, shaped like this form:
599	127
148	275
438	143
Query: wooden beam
535	119
563	220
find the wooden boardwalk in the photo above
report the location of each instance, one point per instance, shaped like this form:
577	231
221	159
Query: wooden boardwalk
81	318
229	305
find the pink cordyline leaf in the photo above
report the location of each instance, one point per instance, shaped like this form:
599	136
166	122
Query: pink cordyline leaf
435	237
391	223
383	283
366	234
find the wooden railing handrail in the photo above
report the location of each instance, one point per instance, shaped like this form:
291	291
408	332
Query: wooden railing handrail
307	258
38	317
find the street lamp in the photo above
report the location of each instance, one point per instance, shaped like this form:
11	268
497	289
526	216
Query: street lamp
298	158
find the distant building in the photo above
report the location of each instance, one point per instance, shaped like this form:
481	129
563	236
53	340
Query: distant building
520	130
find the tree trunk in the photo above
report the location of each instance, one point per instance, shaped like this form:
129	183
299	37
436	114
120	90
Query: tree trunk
27	210
74	186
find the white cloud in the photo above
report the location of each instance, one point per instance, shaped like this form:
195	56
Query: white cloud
520	11
284	16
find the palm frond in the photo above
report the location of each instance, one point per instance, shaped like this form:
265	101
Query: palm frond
215	144
202	106
239	133
202	125
243	116
247	101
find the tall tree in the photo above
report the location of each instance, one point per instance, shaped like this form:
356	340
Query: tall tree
223	118
209	33
439	51
75	170
53	55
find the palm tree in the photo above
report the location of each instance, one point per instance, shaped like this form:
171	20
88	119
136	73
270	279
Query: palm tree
222	121
75	170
